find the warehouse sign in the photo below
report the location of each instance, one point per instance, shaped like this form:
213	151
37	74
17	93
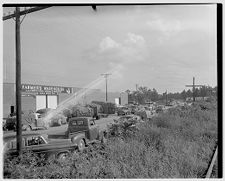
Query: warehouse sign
45	90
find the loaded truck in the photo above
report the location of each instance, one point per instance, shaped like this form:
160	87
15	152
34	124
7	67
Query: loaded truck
30	121
82	131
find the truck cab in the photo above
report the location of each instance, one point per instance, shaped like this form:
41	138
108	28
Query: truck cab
83	130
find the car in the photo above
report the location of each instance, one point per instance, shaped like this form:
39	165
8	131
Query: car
39	144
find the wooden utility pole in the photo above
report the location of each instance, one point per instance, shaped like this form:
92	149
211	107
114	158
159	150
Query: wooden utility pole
17	15
106	76
193	88
136	87
18	83
166	98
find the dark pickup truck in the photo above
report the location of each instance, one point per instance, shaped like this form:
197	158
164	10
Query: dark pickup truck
82	131
39	144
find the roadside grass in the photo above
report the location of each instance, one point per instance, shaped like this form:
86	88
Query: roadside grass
176	144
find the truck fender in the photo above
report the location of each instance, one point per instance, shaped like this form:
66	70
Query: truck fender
76	138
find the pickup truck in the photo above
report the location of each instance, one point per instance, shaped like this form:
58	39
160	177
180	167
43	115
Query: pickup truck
39	144
82	131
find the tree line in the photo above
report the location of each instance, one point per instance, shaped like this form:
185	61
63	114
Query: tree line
144	94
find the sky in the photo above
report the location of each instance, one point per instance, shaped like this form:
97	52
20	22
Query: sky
160	46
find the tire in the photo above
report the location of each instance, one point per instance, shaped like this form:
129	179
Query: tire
81	145
62	156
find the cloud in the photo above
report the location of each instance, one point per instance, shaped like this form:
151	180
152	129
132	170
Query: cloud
107	44
131	49
134	39
167	27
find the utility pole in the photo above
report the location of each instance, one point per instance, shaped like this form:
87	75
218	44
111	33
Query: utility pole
136	87
17	15
18	83
166	98
106	76
193	88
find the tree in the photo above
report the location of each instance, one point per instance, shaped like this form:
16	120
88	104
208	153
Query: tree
183	95
203	91
154	95
189	93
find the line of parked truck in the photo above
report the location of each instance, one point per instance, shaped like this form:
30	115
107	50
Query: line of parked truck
34	120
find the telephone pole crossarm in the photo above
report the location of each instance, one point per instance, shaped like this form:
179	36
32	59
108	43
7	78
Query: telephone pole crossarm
27	11
193	88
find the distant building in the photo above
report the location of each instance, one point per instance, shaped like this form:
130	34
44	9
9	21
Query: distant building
36	97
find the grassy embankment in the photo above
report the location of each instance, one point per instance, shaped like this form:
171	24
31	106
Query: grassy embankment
176	144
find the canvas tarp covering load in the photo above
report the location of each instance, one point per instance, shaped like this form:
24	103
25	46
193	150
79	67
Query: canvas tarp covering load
96	106
80	111
108	108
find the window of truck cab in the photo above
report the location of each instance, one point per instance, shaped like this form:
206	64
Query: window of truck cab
77	122
34	140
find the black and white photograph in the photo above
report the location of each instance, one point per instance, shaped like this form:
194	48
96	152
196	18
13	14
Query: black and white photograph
112	91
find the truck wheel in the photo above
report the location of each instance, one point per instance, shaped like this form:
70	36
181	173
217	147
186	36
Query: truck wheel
81	145
62	156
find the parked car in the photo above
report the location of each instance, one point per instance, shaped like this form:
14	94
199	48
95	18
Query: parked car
39	144
82	131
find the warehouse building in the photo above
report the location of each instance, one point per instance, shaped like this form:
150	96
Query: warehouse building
36	97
